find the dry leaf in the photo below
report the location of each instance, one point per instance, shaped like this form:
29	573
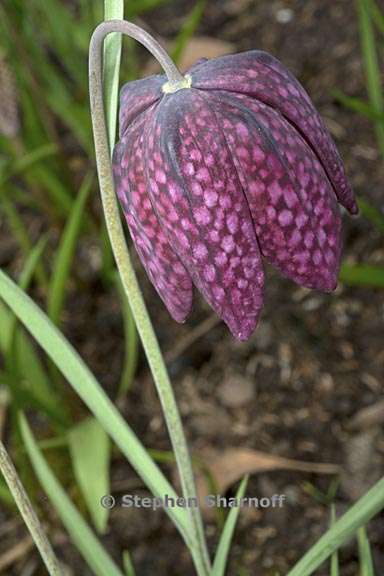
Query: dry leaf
16	553
228	467
197	47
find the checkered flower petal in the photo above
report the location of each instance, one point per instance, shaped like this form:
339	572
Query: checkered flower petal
136	97
197	195
162	264
292	203
261	76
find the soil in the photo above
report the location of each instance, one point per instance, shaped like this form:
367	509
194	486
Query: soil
313	363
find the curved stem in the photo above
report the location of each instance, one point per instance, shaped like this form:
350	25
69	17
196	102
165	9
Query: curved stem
150	344
173	74
27	512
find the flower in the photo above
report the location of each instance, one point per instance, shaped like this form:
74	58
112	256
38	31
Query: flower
231	166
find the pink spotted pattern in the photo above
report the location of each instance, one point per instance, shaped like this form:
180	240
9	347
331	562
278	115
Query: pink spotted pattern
163	267
136	97
259	75
214	177
293	207
197	195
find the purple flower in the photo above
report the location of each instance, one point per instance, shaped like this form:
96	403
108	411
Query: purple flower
236	166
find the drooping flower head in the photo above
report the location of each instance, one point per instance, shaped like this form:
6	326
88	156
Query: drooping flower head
231	166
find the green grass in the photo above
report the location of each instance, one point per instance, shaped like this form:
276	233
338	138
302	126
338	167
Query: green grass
371	24
362	275
335	571
89	390
341	530
365	555
86	543
65	252
47	173
47	176
371	64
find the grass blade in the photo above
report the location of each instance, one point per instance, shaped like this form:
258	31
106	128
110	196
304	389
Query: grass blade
223	548
365	556
23	163
127	563
59	197
362	275
20	232
57	36
343	529
90	450
65	252
113	10
136	7
377	15
371	213
5	494
84	383
28	374
334	557
188	29
80	533
36	381
24	282
372	67
30	371
357	105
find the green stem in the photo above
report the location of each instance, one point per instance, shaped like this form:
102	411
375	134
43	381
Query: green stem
150	344
27	512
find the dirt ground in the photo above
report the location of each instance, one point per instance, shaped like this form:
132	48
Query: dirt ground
314	362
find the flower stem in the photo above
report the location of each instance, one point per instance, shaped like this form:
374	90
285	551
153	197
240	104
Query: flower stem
150	344
27	512
133	31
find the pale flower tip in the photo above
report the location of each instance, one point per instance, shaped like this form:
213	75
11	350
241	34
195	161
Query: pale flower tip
242	328
354	209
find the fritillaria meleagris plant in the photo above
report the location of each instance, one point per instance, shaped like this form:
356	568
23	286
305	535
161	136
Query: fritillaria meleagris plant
229	166
215	170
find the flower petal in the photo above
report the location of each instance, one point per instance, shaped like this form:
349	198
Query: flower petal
162	264
292	203
196	193
136	97
259	75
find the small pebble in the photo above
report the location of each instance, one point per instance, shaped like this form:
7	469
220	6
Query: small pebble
236	391
284	15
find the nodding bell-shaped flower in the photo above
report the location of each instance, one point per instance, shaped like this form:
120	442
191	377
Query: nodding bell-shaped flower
227	167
